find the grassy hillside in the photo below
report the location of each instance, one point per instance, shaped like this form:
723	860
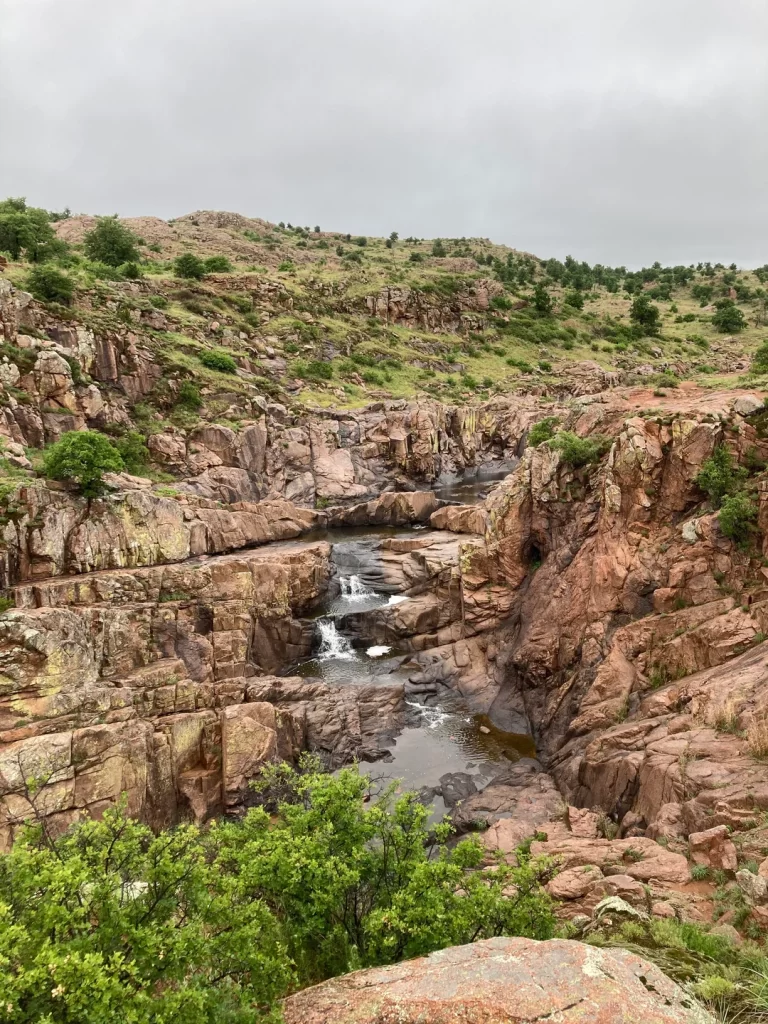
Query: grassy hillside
325	318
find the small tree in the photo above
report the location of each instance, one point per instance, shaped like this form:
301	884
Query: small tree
760	359
643	313
133	451
737	514
438	249
728	318
542	300
720	475
83	456
50	285
190	266
112	243
218	265
574	299
26	230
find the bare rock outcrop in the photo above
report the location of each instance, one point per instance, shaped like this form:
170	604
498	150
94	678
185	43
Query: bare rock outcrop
502	980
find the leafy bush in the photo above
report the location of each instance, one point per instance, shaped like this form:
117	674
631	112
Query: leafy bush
578	451
111	242
728	318
189	396
190	266
83	456
643	313
286	266
158	301
110	922
49	284
27	230
737	514
720	475
760	359
130	271
542	431
574	299
218	265
133	451
312	370
220	361
542	300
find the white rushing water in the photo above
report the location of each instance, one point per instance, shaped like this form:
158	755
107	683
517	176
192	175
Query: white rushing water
377	651
396	599
332	644
353	589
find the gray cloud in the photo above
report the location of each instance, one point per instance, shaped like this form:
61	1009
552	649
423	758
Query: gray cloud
622	132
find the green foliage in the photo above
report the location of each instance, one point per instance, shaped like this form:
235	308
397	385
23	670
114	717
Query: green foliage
112	923
728	318
190	266
737	516
217	265
720	475
133	451
220	361
542	431
438	248
49	284
130	271
82	456
643	313
6	603
574	299
315	369
578	451
111	242
26	231
760	359
189	396
542	300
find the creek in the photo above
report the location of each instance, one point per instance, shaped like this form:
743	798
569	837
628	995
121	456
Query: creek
441	733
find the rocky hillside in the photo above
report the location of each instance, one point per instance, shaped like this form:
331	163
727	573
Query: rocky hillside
606	599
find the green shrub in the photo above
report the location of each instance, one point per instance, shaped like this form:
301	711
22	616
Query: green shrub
438	249
574	299
728	318
158	301
220	361
542	431
720	475
49	284
315	369
82	456
190	266
737	516
545	365
26	230
542	300
578	451
643	313
760	359
217	265
110	922
189	396
286	266
133	451
111	242
130	271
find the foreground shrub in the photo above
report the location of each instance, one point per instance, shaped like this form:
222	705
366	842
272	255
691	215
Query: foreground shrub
312	370
113	923
218	265
728	318
578	451
760	359
82	456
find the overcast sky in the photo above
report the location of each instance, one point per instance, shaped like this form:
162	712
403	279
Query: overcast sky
621	131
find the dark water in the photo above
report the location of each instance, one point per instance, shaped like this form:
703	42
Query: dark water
471	486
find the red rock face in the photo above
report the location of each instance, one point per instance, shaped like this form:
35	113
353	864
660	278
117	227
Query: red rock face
502	981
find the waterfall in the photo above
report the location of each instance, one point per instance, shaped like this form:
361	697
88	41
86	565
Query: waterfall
353	589
332	644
